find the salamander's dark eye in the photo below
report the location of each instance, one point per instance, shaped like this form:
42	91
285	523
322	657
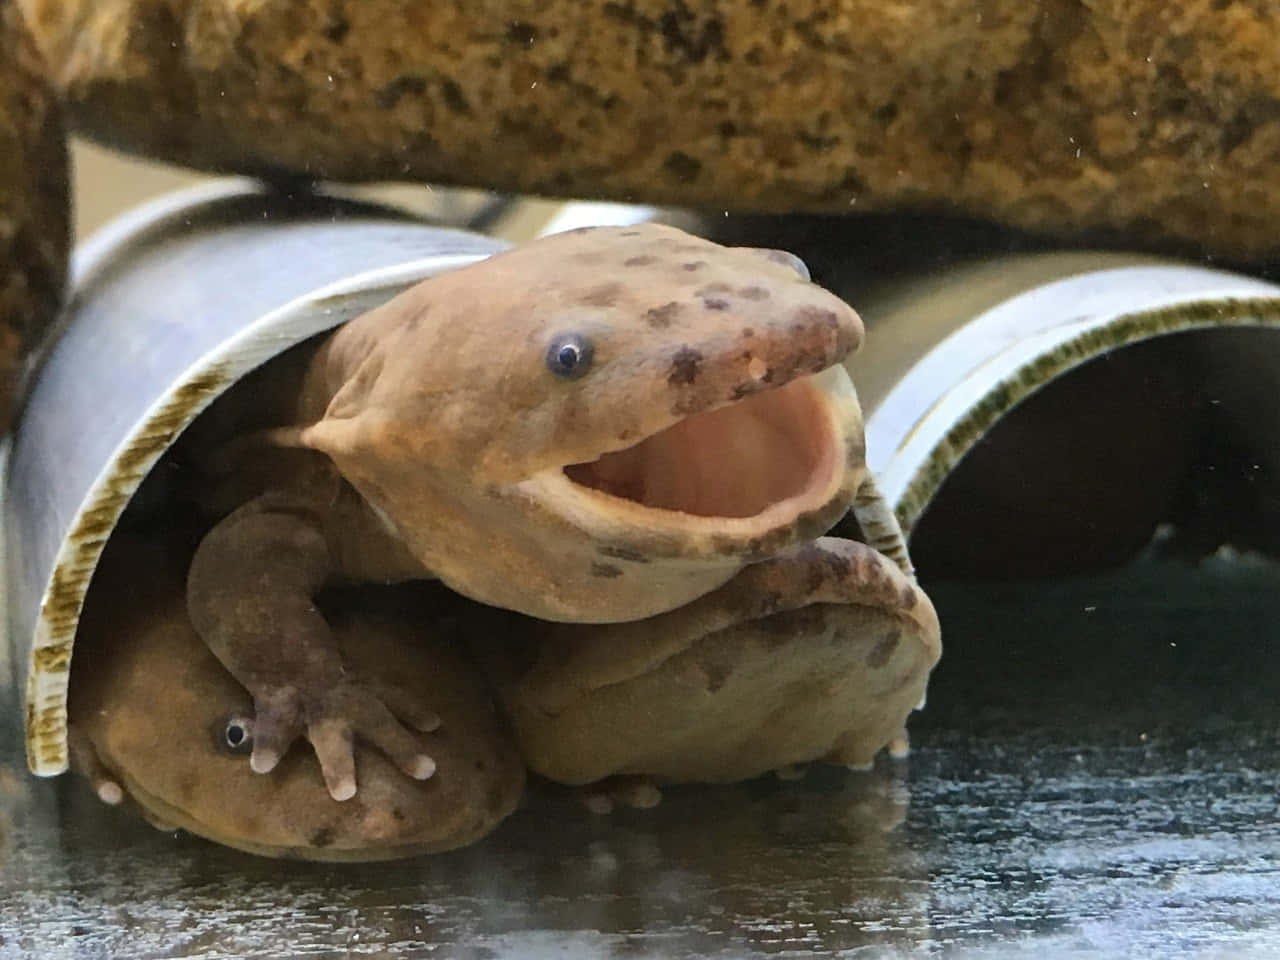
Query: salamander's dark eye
569	355
235	734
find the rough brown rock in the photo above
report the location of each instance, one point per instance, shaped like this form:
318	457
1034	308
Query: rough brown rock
1158	117
34	208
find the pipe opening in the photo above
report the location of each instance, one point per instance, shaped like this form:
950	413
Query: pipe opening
1107	557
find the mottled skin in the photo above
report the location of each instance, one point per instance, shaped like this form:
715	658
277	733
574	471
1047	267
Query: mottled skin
597	427
817	656
820	655
151	710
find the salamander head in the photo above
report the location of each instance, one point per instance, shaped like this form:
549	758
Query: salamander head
174	730
653	392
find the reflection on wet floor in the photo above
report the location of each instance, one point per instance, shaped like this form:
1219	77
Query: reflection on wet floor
1094	776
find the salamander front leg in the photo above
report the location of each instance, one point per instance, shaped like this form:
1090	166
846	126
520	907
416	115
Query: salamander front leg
250	597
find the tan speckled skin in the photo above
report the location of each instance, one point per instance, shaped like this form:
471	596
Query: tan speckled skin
34	205
821	655
438	405
152	700
1156	117
450	432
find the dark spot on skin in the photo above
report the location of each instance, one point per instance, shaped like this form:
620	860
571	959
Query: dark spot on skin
662	317
857	453
715	303
641	261
622	553
629	233
783	628
322	837
815	580
480	765
716	672
908	597
754	293
828	321
189	787
817	317
883	650
713	288
686	403
605	295
748	332
770	603
810	526
605	570
841	564
685	366
806	527
397	815
806	622
693	265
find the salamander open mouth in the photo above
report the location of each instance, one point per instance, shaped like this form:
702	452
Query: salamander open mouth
734	461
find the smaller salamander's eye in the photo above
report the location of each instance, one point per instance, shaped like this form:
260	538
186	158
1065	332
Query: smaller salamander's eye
235	734
569	355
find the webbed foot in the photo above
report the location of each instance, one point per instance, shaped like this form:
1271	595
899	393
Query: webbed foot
250	596
791	772
604	796
86	762
899	748
106	785
331	716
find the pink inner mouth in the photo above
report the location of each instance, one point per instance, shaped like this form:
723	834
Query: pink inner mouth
736	461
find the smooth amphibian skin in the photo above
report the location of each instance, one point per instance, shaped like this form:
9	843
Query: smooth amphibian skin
597	427
818	655
155	719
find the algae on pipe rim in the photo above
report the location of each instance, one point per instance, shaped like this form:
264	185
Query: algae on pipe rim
950	353
154	332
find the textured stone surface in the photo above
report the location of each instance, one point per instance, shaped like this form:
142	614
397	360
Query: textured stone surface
34	208
1158	117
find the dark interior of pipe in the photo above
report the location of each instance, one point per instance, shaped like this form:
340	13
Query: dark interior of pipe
1106	561
1180	433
